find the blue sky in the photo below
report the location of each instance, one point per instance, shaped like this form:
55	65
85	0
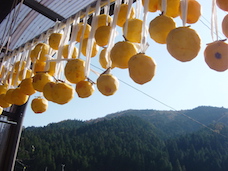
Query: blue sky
176	84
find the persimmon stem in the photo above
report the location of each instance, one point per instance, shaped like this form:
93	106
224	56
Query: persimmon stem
125	39
107	71
91	81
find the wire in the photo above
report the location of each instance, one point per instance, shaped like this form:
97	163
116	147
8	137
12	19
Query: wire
209	26
190	118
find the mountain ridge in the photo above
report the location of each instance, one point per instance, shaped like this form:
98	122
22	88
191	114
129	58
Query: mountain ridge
128	143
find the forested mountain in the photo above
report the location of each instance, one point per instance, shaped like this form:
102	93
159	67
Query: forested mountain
174	123
129	141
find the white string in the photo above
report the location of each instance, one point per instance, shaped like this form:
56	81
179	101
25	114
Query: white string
112	33
74	35
125	27
83	30
90	41
3	72
63	41
164	6
28	63
144	44
9	67
214	23
138	9
184	11
9	76
22	58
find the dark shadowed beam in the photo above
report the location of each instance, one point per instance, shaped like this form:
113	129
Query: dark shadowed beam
43	10
5	8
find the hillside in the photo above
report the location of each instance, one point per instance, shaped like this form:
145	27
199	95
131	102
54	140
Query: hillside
129	142
174	123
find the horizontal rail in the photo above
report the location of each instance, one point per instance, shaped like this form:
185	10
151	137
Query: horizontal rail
8	122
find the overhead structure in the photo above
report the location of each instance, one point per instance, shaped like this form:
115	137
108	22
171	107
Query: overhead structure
21	22
27	19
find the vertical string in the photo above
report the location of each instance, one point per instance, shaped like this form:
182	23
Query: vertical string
113	33
83	30
74	35
22	58
106	10
163	6
128	16
63	41
11	67
28	63
138	9
144	44
90	40
184	11
214	23
3	72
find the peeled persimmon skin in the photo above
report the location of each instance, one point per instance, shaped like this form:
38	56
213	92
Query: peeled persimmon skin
74	70
160	27
18	97
102	35
47	90
95	47
8	96
40	52
122	15
132	32
80	31
141	68
62	93
222	4
216	55
84	89
225	25
183	43
27	87
54	40
103	20
152	5
19	65
39	80
107	84
3	102
65	52
39	105
121	53
3	88
172	7
193	12
27	74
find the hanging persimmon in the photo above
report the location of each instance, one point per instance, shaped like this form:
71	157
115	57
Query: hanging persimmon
216	55
39	105
183	43
225	25
222	4
160	27
193	11
141	68
121	53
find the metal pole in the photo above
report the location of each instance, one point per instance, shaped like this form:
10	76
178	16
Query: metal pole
16	115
